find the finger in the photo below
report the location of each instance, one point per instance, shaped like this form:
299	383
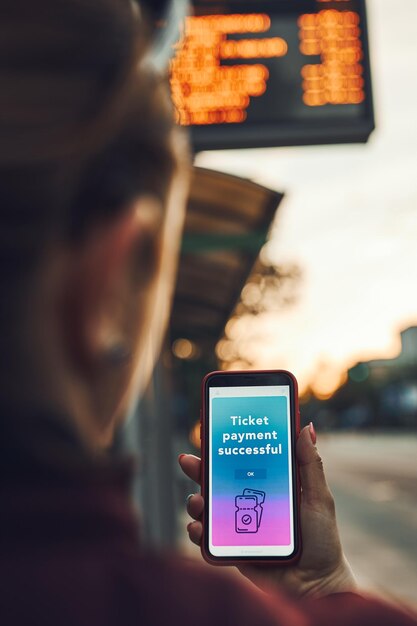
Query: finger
313	480
190	465
195	532
195	506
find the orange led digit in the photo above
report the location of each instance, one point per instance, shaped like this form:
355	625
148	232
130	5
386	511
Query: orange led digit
277	76
204	90
334	36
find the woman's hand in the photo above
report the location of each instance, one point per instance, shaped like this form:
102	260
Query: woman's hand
322	568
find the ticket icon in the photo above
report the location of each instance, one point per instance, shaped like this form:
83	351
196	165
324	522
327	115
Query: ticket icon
248	514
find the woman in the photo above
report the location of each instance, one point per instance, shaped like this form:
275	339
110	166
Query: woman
93	178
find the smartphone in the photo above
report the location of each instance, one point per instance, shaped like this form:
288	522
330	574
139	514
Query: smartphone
250	484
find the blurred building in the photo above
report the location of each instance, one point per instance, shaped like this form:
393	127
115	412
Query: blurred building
383	369
378	394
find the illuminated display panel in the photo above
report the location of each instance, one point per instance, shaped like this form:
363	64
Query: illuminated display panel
274	73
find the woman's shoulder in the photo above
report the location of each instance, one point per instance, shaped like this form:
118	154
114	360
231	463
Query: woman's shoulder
182	590
348	609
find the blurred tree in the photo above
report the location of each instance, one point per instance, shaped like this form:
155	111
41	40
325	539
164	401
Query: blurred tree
270	288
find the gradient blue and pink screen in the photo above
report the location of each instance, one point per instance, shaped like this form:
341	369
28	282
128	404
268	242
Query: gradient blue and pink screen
250	481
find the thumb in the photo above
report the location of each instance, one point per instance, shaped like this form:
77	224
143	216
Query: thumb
313	480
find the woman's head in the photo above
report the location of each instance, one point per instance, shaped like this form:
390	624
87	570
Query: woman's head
91	201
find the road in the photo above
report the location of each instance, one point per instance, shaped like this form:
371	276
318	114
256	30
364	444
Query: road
374	482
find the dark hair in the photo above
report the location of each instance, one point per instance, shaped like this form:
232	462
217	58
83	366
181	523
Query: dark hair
82	129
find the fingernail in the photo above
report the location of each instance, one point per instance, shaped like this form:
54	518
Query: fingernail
312	433
189	497
180	457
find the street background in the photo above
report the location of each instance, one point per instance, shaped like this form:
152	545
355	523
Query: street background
373	478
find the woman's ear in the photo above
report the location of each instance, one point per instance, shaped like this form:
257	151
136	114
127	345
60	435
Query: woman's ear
101	289
116	290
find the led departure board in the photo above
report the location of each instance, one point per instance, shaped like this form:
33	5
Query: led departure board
273	73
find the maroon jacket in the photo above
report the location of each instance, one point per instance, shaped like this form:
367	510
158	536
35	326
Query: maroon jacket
70	555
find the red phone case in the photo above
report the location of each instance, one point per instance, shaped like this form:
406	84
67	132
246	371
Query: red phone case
203	420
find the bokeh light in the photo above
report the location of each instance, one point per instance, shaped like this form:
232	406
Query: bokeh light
335	37
204	90
184	349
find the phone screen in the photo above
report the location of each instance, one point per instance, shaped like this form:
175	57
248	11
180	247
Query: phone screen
250	472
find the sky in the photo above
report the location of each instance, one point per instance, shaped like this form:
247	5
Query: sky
349	220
